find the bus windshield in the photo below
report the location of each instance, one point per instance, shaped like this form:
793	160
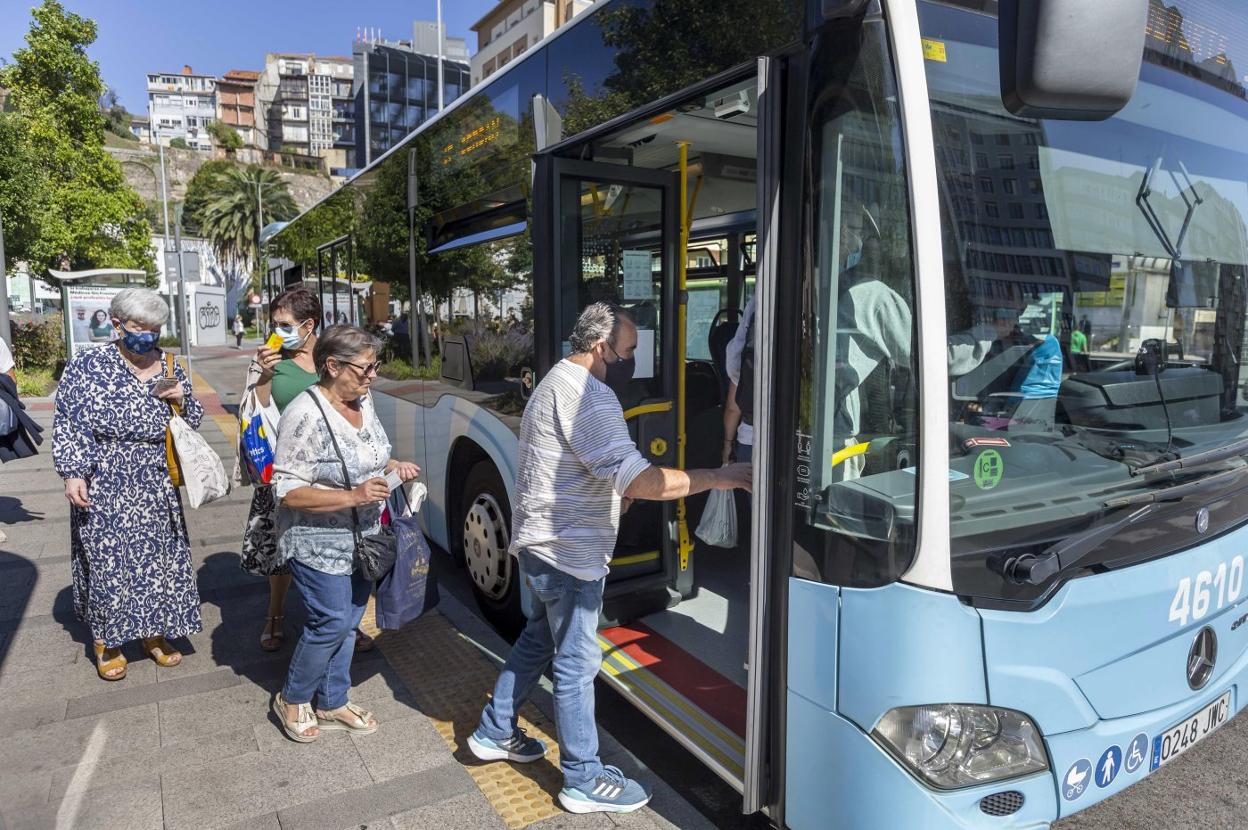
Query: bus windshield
1095	277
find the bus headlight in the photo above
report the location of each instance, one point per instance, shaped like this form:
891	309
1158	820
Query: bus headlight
950	745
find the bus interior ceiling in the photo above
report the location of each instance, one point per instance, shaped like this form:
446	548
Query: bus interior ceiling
721	134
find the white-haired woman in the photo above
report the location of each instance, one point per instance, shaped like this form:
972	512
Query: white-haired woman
325	429
130	557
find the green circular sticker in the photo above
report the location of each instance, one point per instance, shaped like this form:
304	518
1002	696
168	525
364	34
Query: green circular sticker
989	468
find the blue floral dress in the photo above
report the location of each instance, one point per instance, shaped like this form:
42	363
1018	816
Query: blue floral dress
130	555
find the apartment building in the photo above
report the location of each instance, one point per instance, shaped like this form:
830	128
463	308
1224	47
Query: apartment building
305	102
512	27
236	105
396	86
181	105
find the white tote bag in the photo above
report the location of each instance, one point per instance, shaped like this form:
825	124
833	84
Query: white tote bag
202	471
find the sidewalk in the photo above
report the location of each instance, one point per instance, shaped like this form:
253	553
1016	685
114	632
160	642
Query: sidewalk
196	747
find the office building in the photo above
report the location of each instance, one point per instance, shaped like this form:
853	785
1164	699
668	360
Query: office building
512	27
181	105
236	105
305	103
396	86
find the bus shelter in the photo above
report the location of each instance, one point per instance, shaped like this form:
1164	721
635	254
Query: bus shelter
85	298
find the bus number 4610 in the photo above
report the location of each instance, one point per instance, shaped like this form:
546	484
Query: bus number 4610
1195	598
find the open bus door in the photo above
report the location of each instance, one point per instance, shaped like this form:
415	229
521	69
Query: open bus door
609	232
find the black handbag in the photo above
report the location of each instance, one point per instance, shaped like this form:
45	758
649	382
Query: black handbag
374	555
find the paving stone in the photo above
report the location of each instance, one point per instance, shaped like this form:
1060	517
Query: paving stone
378	801
191	717
285	775
61	682
130	768
468	810
265	822
400	746
18	792
152	693
68	743
570	821
133	808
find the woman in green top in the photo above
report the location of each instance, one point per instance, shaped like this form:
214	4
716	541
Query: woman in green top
279	375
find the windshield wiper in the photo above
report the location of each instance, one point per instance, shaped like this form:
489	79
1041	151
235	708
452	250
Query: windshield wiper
1038	568
1238	448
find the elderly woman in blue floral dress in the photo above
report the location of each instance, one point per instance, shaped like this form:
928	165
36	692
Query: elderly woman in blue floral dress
130	556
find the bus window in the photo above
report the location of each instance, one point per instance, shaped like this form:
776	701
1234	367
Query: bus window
1097	316
856	430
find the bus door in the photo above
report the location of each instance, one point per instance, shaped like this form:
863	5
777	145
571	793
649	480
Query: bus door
608	232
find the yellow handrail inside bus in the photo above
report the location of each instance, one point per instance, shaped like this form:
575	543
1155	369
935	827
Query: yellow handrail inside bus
646	409
850	452
683	540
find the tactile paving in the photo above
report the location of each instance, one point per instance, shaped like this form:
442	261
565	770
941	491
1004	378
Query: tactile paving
451	681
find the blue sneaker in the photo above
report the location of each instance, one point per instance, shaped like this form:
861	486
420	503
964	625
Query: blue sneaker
519	747
610	792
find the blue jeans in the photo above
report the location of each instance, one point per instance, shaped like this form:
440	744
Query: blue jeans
563	627
322	659
744	453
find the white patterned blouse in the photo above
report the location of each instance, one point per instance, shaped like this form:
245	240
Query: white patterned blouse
305	457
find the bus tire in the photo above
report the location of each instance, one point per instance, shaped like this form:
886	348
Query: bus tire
484	535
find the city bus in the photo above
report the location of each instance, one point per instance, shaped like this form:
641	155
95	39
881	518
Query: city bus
992	568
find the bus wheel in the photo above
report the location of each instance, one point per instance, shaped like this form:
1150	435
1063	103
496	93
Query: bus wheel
486	536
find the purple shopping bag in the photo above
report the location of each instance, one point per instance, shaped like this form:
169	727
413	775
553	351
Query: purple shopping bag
409	589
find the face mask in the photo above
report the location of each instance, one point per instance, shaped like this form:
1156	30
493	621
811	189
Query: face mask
291	340
620	373
854	257
140	342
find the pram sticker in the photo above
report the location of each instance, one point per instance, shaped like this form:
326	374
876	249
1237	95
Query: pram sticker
1076	779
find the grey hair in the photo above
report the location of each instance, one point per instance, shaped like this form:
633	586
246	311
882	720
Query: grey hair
140	305
598	322
344	343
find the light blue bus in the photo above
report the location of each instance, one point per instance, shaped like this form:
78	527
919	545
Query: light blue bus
994	569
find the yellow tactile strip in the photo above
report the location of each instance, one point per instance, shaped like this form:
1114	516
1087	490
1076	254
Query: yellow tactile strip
451	681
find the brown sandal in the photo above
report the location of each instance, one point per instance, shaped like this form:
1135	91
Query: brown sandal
109	660
273	637
158	649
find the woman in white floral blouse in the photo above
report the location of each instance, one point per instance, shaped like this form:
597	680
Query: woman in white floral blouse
318	517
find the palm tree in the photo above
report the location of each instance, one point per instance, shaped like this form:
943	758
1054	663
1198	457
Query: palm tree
229	220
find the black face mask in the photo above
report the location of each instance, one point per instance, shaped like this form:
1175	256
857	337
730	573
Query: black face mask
619	373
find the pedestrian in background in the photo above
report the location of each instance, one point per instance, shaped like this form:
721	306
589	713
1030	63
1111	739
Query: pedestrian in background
130	555
239	331
576	464
321	514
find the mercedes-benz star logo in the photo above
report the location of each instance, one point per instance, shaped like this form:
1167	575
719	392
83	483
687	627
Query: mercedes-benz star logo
1201	658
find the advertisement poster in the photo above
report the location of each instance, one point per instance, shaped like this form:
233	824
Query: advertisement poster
638	276
87	317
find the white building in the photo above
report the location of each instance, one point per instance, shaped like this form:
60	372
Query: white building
513	27
181	106
305	103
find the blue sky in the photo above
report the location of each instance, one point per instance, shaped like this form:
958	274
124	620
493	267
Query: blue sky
140	36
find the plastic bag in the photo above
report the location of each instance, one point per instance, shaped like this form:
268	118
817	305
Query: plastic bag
719	520
410	589
257	439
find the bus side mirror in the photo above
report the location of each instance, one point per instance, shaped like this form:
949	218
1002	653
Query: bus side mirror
1077	60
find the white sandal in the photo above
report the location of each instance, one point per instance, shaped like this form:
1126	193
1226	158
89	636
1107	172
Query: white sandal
365	723
296	730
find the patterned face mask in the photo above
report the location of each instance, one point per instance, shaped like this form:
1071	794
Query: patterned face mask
140	342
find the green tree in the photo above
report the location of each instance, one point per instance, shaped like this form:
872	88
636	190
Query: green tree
84	211
231	220
116	119
225	136
199	192
179	143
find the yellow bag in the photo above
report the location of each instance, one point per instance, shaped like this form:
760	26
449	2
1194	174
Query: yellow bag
171	454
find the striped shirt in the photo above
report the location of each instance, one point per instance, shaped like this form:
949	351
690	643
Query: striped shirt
576	462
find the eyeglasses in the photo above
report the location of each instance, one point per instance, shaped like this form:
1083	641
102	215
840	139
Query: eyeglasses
370	369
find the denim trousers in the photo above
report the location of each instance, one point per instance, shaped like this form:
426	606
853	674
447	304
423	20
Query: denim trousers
321	663
562	626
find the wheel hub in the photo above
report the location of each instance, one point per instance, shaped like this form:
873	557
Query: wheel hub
485	547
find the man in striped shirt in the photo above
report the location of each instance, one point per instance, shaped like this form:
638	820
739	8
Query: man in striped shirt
576	464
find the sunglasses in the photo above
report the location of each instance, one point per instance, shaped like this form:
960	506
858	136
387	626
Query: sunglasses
370	369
